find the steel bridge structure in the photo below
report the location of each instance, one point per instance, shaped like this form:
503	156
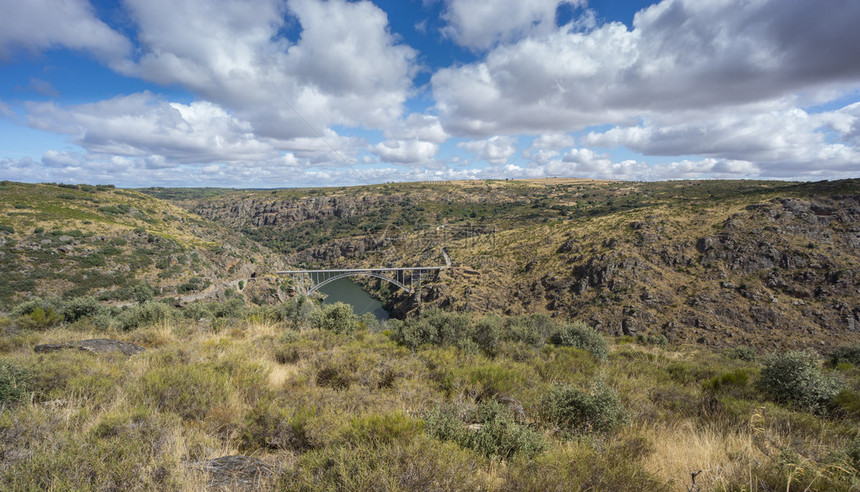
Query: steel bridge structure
406	278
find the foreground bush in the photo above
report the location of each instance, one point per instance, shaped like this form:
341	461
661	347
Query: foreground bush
583	337
574	410
495	433
795	378
337	317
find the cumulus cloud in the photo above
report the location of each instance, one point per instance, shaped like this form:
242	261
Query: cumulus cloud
346	68
779	141
43	24
146	125
480	25
419	126
680	54
495	150
406	151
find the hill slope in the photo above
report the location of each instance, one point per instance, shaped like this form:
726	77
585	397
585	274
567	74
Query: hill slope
743	262
75	240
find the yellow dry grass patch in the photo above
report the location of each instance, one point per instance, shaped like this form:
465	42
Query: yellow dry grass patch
684	448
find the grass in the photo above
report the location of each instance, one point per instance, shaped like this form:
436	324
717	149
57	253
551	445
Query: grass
356	410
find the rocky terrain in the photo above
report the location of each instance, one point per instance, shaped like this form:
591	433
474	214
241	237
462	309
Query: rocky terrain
726	263
120	246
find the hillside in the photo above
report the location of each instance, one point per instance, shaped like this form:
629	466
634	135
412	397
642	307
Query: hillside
715	262
118	245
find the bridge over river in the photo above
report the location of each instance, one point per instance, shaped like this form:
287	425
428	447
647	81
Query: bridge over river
407	278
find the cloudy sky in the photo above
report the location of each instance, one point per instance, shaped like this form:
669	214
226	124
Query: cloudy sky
281	93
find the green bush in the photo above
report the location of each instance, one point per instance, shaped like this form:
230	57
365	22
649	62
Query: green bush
847	403
583	337
81	307
435	327
145	314
532	330
7	228
40	319
297	310
501	436
845	353
487	333
742	352
795	378
13	382
337	317
573	410
496	433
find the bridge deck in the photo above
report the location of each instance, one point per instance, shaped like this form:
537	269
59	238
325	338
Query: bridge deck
346	270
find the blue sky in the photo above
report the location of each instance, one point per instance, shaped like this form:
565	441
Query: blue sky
282	93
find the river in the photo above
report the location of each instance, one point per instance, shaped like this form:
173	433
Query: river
345	290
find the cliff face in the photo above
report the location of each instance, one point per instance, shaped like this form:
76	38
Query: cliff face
714	262
784	272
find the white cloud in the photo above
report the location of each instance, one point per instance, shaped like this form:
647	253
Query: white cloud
419	127
146	125
406	151
680	54
44	24
346	68
495	150
480	25
779	141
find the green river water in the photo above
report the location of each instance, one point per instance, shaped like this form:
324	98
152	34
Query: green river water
345	290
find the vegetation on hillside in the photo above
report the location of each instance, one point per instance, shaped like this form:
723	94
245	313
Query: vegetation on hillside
443	401
117	245
714	262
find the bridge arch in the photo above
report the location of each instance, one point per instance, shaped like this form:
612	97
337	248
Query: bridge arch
380	276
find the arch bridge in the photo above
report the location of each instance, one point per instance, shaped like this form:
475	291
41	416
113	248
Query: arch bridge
406	278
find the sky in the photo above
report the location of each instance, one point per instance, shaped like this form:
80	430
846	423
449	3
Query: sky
289	93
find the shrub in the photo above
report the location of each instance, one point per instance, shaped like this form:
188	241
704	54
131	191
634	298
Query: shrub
297	310
382	429
580	336
443	423
794	378
743	352
337	317
7	228
271	426
190	391
145	314
13	382
574	410
81	307
532	330
658	340
433	327
40	319
487	333
497	434
845	353
847	403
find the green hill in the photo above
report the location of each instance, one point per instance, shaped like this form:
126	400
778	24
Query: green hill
77	240
719	262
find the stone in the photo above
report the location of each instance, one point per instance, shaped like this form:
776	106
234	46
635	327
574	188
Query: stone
236	472
95	345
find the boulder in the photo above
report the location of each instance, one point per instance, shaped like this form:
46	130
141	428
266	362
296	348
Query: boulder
96	346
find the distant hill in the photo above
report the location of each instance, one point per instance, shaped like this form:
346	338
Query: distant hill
118	245
718	262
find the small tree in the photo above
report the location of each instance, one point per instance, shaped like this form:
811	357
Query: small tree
795	378
337	317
